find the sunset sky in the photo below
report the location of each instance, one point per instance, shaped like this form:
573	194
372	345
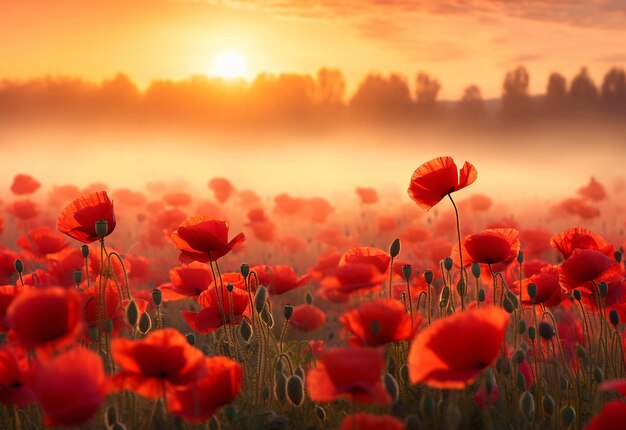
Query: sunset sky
460	42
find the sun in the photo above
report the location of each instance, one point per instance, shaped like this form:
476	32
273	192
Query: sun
229	64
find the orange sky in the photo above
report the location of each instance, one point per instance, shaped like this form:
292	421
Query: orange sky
460	42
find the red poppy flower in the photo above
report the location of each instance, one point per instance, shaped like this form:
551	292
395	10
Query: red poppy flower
92	303
40	242
191	279
351	373
334	237
249	198
78	219
378	322
1	224
162	358
24	184
353	277
535	240
46	317
580	238
488	247
437	178
61	194
453	351
169	219
476	203
327	264
618	385
199	400
570	332
178	198
594	191
367	255
71	387
363	421
317	209
7	295
24	209
263	228
284	204
222	188
130	198
368	196
15	377
612	416
549	291
576	206
139	267
586	266
386	223
202	238
307	318
483	398
280	278
413	234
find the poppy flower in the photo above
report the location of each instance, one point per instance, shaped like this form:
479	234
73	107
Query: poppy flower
612	416
16	377
130	198
280	278
191	279
334	237
263	228
163	358
202	238
199	400
24	184
549	291
317	209
249	198
169	219
452	352
7	295
437	178
580	238
594	190
586	267
535	240
618	385
78	219
61	194
178	198
576	206
483	398
386	223
368	196
71	387
351	373
353	277
378	322
367	255
307	318
40	242
23	209
488	247
476	203
222	189
139	267
413	234
62	264
112	305
1	224
570	331
363	421
284	204
46	317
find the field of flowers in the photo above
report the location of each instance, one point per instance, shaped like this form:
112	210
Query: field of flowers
125	309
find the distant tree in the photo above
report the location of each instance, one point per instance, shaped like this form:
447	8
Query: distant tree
471	105
382	97
613	93
516	101
583	92
427	89
556	94
330	87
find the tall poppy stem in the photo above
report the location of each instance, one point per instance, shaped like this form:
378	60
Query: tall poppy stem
458	233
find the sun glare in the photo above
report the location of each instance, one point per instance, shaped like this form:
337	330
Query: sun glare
229	64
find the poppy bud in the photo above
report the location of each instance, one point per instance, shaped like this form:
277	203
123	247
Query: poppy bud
581	353
490	380
412	422
520	257
428	276
568	415
245	270
481	295
110	416
548	404
78	276
513	298
280	387
245	330
614	317
407	271
308	298
445	296
520	381
157	296
521	327
231	412
214	423
427	405
19	266
108	325
102	228
508	306
229	287
618	256
564	383
267	317
598	375
603	288
577	295
392	386
394	248
447	263
92	332
265	393
300	372
191	338
295	390
460	287
404	372
524	346
320	412
532	290
519	356
132	313
288	311
85	251
532	332
546	330
476	270
145	323
259	298
527	404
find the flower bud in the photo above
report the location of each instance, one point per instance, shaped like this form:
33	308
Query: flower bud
245	330
520	381
245	270
577	295
85	251
548	404
191	338
518	356
308	298
598	375
320	412
102	228
618	256
145	323
19	266
300	372
521	327
447	263
520	257
481	295
532	290
108	325
508	306
110	416
568	415
407	271
267	317
532	332
295	390
545	330
157	296
259	298
527	404
280	387
476	270
78	276
427	405
214	423
230	287
428	276
288	311
461	287
614	317
392	386
394	248
603	288
132	313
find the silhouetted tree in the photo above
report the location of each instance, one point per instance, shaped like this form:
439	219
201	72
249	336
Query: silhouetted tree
516	102
471	106
331	87
556	100
583	92
382	97
427	89
613	95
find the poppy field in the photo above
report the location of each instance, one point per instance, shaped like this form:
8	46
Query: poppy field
127	309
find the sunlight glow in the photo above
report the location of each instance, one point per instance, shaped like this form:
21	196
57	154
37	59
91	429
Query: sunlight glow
229	64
